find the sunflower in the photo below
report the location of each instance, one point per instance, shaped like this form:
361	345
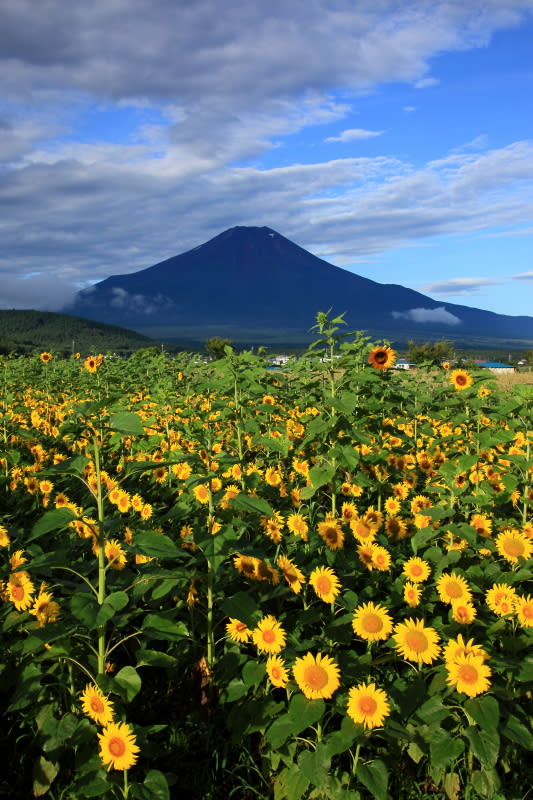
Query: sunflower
146	511
246	565
272	476
463	612
237	631
325	583
415	642
45	357
524	611
96	705
461	379
44	609
365	553
117	746
469	674
512	545
367	705
458	647
202	493
372	622
416	570
20	590
272	526
123	502
4	537
381	558
91	363
269	636
381	357
115	554
392	506
411	594
332	533
453	588
395	527
294	577
362	529
297	525
277	672
317	677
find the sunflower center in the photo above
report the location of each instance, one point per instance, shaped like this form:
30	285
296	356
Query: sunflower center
468	673
417	641
362	530
454	589
380	357
372	623
323	584
240	627
527	611
460	380
276	673
514	547
316	677
117	747
17	592
269	636
96	705
416	570
367	705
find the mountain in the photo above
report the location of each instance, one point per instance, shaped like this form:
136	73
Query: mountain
254	285
24	331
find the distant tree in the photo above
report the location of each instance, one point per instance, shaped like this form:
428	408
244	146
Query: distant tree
215	347
528	357
432	352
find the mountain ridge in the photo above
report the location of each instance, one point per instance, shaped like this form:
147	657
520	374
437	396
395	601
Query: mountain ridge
253	279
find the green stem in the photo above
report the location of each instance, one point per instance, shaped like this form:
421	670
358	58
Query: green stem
101	561
356	758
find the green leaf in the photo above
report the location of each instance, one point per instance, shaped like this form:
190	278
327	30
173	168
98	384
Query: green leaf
44	774
514	730
156	784
315	765
279	731
53	520
485	711
320	475
432	711
375	777
526	670
444	749
114	602
158	626
85	608
126	422
154	658
342	740
485	782
484	746
129	680
304	712
291	784
156	545
246	503
241	606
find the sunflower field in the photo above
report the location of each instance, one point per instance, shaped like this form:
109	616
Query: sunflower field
224	581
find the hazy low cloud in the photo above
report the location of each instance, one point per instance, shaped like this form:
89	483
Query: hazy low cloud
458	286
353	134
139	303
438	315
524	276
35	291
426	83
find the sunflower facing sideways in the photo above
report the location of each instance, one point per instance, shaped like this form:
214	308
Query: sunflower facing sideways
367	705
96	705
381	357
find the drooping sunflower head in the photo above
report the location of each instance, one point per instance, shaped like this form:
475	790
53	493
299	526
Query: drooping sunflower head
381	357
292	574
277	672
237	631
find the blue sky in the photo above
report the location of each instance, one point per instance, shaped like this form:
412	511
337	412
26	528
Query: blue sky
394	139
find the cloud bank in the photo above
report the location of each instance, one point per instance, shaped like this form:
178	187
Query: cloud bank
437	315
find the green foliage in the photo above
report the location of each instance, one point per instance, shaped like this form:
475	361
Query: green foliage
215	347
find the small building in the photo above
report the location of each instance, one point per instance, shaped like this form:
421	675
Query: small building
495	366
402	363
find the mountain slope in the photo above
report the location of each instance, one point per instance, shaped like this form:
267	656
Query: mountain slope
253	279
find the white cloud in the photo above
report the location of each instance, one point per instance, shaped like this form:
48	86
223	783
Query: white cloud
458	286
524	276
353	134
426	83
436	315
